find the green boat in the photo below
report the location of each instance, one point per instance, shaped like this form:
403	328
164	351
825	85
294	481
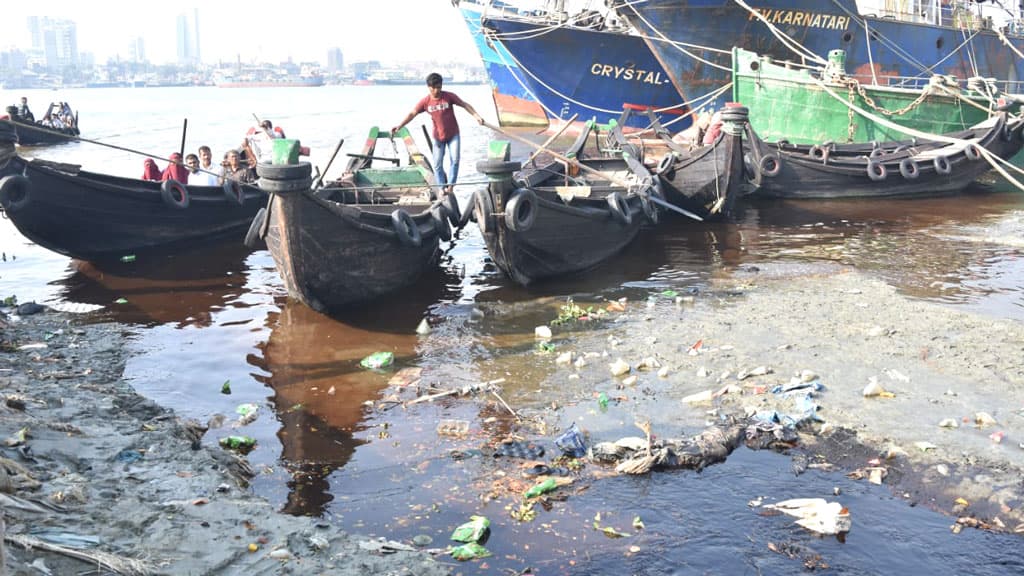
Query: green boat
787	102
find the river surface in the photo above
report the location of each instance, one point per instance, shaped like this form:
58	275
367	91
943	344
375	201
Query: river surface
200	319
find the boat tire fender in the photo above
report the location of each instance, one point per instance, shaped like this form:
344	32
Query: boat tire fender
650	209
467	213
174	194
666	168
440	216
406	229
877	171
816	152
876	152
15	192
451	206
483	210
521	210
233	191
942	165
1006	133
299	171
252	237
619	209
909	169
972	152
770	165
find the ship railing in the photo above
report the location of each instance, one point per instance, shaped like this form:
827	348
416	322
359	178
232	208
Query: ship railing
959	15
921	82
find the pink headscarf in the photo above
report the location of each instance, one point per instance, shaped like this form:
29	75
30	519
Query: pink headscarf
175	170
150	170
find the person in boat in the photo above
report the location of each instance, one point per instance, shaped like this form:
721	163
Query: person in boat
150	171
440	105
192	164
23	111
176	170
235	170
208	175
259	142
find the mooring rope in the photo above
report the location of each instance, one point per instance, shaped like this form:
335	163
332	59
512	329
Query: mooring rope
664	38
784	38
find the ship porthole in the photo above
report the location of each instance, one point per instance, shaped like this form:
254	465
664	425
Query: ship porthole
847	37
755	66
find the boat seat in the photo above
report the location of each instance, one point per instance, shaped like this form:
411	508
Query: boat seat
948	150
385	177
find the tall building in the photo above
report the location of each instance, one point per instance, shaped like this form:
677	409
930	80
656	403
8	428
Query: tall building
137	50
195	35
55	40
335	60
186	45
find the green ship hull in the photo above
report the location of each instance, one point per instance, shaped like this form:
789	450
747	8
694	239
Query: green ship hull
787	103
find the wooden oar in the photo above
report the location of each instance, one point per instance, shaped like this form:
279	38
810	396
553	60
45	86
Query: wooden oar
430	141
598	173
552	139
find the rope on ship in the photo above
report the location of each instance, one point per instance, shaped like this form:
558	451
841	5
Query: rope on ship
793	45
1005	40
662	37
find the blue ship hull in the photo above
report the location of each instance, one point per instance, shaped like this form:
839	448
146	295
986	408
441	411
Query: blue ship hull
899	51
513	101
589	73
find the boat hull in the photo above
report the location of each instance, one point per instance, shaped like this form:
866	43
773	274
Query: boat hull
32	134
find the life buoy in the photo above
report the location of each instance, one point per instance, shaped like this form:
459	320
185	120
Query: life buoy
451	204
15	192
666	168
174	194
521	210
909	169
769	165
942	165
877	171
233	191
252	236
972	152
406	229
440	216
619	209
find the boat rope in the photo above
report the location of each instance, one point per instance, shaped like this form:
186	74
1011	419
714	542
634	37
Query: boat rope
793	45
931	69
871	59
882	38
1006	41
662	37
995	161
971	56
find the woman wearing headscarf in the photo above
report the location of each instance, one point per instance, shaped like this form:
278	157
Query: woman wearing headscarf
176	170
150	170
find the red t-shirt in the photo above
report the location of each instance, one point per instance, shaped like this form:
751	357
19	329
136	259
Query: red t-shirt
441	111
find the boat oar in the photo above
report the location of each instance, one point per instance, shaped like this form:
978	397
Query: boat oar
430	141
548	142
611	178
184	130
320	179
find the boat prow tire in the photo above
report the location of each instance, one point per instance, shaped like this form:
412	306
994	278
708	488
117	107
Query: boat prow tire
877	171
467	212
233	191
649	208
405	228
440	216
666	168
942	165
299	171
876	152
972	151
769	165
174	194
252	237
483	209
620	209
909	169
521	210
15	192
451	204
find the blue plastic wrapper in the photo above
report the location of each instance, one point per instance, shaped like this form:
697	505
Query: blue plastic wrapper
571	442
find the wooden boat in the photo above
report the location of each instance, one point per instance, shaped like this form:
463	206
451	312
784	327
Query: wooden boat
38	133
98	217
368	234
561	217
706	179
899	168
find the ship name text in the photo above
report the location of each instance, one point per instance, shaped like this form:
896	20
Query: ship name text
806	19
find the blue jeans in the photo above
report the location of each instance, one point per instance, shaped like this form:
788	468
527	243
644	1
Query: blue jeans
454	151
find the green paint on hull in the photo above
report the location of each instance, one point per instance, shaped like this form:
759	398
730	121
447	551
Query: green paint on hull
786	103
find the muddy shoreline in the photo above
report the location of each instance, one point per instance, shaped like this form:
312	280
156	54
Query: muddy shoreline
113	471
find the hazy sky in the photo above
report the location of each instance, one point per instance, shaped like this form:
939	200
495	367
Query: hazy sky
261	29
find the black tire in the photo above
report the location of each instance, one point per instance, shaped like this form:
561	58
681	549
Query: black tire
942	165
174	194
972	151
875	153
620	209
252	237
877	171
483	209
300	171
909	169
233	191
406	229
1006	133
650	209
498	167
285	185
440	216
521	210
451	204
467	213
769	165
15	192
666	168
816	152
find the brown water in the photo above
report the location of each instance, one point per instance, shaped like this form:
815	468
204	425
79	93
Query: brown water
220	314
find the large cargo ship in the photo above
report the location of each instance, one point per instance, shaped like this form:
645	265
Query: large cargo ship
887	42
268	78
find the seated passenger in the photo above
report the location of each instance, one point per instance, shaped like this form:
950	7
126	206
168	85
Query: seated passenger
235	170
192	164
150	170
176	170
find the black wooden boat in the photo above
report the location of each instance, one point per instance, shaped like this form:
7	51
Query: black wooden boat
899	168
38	132
705	180
562	216
98	217
372	232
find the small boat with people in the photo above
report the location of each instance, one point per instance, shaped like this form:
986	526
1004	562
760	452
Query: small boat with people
101	217
57	126
564	215
372	232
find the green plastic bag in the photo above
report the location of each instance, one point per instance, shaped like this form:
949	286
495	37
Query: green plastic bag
238	442
470	551
471	531
545	486
377	360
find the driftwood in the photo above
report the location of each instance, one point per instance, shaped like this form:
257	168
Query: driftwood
105	560
639	456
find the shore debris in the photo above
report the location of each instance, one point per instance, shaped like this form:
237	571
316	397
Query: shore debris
875	389
816	514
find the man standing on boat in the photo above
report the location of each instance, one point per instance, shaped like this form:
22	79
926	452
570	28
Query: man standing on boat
439	104
24	112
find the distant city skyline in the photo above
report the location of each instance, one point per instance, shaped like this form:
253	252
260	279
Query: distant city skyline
259	31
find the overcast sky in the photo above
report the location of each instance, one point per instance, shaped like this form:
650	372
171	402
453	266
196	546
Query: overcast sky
260	30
